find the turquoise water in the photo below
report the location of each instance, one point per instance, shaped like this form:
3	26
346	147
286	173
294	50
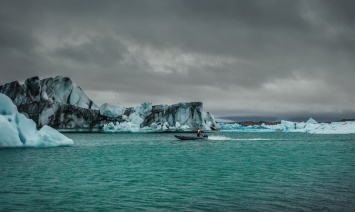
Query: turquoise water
153	172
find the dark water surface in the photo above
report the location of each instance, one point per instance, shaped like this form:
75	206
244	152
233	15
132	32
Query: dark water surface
152	172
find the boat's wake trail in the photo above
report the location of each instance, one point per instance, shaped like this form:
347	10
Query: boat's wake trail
218	138
225	138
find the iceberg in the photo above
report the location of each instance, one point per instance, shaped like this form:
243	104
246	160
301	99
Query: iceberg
311	126
19	131
157	118
57	102
60	103
235	127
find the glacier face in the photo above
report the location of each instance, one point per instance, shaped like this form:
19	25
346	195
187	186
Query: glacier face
18	131
61	104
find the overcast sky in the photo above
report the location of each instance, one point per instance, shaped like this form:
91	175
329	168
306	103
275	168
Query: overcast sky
254	59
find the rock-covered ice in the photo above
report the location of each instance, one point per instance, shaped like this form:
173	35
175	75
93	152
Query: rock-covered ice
177	117
54	90
61	104
18	131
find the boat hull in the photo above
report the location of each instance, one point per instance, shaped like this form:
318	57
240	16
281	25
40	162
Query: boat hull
184	137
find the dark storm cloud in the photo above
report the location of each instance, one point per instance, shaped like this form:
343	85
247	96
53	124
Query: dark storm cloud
239	57
16	39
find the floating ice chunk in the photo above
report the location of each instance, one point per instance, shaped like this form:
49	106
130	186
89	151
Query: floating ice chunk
288	125
311	126
18	131
110	127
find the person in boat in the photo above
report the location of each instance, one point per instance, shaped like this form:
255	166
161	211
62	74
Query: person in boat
198	132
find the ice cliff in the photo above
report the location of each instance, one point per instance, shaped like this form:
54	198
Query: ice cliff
61	104
18	131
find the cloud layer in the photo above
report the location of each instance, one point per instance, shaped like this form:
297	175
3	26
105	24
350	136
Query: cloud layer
241	58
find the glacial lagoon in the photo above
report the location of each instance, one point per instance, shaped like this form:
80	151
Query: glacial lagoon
272	171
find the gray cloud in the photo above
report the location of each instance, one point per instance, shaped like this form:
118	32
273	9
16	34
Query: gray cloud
102	51
241	58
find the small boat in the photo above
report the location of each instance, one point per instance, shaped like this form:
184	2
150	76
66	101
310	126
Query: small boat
184	137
